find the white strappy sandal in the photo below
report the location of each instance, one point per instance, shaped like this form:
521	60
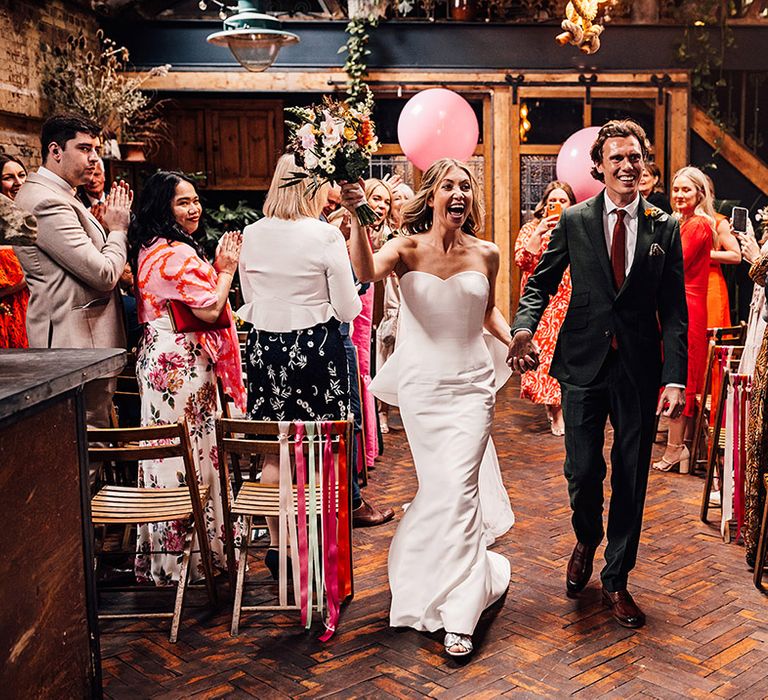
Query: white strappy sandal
458	640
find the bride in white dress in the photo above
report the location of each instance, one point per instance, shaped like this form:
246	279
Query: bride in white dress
440	572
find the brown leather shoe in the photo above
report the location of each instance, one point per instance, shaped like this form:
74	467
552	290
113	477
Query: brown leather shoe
624	609
366	515
579	568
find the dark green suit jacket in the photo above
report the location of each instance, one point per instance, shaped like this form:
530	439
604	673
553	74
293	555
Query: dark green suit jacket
648	314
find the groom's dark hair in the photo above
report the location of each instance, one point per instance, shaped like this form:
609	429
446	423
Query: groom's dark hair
612	129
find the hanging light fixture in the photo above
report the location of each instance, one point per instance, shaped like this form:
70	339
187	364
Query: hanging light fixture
253	37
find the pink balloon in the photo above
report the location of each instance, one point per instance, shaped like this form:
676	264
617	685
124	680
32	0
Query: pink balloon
574	163
437	123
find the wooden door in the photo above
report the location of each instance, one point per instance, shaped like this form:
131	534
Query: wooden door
185	150
243	146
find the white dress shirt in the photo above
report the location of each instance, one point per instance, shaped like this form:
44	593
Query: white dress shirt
630	224
295	274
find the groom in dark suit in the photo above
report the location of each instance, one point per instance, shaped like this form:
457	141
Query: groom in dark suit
624	337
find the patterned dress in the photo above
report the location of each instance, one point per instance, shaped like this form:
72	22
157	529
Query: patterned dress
177	378
537	385
757	436
13	307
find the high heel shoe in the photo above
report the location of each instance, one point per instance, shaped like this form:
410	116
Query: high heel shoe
664	465
272	562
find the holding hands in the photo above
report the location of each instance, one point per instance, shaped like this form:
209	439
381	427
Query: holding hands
671	402
228	253
116	214
523	355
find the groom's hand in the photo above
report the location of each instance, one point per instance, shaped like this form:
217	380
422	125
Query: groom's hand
671	402
523	355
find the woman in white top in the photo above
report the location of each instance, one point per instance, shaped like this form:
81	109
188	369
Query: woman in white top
297	286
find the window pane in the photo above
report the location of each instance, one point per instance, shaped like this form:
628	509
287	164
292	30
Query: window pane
536	172
642	111
552	120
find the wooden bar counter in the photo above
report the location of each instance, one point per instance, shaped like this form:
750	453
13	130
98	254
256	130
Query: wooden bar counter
49	641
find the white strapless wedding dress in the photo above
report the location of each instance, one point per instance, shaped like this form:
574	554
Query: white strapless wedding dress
443	378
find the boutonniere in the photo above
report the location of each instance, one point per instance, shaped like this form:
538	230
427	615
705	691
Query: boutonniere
656	250
656	214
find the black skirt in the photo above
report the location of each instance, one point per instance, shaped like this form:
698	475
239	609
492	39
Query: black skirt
298	375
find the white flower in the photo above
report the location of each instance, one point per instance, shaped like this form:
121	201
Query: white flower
310	160
331	129
307	136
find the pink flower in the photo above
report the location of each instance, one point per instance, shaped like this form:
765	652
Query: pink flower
157	379
307	136
169	361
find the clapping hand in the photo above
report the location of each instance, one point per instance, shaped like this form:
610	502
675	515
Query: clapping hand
228	252
392	181
523	354
117	209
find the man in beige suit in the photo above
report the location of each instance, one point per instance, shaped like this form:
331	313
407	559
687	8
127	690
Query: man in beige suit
74	267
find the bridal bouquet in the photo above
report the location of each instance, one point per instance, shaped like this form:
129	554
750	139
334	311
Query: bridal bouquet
334	142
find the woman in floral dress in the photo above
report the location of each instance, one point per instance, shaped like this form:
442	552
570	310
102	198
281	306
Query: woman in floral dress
537	386
14	294
177	372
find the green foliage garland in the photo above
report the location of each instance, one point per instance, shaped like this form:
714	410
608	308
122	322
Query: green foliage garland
358	93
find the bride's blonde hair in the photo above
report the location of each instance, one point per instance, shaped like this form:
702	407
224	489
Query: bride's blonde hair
417	214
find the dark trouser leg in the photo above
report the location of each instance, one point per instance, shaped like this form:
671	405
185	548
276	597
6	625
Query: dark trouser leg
632	416
357	413
585	410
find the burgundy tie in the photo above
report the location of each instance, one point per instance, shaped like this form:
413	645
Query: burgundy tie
618	249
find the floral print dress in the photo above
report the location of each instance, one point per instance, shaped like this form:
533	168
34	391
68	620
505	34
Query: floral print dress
177	375
537	385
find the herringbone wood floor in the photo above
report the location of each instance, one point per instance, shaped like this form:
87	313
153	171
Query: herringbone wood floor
707	631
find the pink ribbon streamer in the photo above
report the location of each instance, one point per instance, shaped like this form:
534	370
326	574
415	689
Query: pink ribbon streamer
330	535
301	497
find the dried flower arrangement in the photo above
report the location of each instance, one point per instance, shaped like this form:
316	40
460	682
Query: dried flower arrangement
92	82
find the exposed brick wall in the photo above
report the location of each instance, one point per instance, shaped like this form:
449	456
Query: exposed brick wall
23	27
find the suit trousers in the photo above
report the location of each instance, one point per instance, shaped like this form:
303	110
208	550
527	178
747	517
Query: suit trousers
630	404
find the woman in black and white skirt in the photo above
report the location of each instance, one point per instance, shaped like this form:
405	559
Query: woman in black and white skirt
297	286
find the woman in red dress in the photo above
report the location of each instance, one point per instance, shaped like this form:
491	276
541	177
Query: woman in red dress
532	241
690	195
14	294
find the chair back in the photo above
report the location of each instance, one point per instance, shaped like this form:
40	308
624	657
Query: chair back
728	335
118	445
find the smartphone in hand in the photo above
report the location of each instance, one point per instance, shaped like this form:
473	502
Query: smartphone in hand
739	217
554	208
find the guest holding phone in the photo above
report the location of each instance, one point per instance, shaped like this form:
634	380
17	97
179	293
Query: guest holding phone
537	386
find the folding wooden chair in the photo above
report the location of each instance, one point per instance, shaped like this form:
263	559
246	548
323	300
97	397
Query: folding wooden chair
126	402
716	433
127	505
716	337
762	542
249	440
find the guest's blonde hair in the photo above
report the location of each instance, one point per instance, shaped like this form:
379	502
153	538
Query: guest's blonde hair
704	206
417	214
292	202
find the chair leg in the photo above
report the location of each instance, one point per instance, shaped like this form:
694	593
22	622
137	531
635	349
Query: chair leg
182	585
242	565
762	545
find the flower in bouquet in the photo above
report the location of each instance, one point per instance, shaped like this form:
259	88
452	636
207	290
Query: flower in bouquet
333	142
